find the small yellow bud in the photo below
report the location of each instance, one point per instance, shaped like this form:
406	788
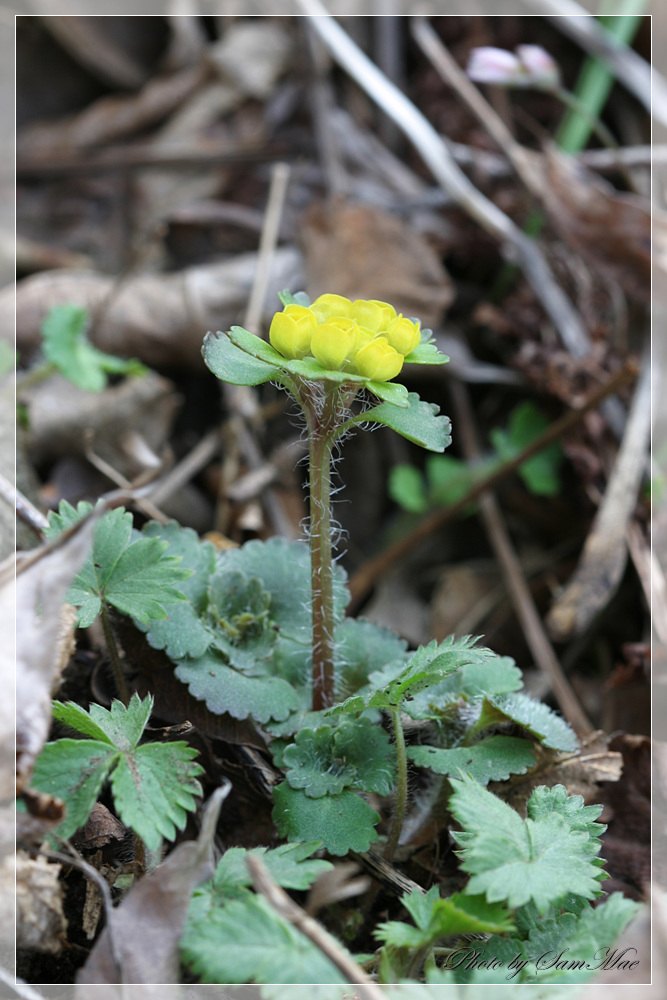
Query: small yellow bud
328	306
334	342
403	335
378	361
304	319
289	336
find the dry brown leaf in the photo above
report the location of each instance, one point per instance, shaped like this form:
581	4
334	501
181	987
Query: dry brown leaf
61	415
34	602
580	772
110	118
363	252
41	924
160	319
611	230
146	928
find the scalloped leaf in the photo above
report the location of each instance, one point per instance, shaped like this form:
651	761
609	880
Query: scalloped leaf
391	392
492	759
362	648
419	422
342	822
324	761
255	346
426	353
521	860
224	689
533	716
230	364
284	569
243	630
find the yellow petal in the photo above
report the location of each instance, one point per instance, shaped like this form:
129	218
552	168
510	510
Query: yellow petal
388	312
378	361
327	306
288	338
334	342
303	317
403	335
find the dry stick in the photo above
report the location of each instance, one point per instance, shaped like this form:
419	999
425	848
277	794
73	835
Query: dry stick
365	577
288	909
24	508
187	468
517	246
118	479
242	400
604	555
522	599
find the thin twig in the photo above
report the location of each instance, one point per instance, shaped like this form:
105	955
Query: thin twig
187	468
519	591
289	910
118	479
366	576
24	508
517	246
267	245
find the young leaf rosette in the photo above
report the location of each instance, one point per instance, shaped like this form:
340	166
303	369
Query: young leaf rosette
338	347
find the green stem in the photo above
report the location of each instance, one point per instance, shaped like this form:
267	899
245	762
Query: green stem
321	426
114	656
401	787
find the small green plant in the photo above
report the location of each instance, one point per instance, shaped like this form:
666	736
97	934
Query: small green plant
68	350
125	570
154	785
446	479
347	710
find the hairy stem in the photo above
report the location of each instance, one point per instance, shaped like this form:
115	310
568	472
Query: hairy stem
401	787
321	426
114	656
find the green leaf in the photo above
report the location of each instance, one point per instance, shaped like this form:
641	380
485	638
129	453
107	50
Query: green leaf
74	771
230	364
284	569
326	760
521	860
533	716
154	788
391	392
153	785
290	865
450	479
135	577
72	715
294	298
239	608
255	346
124	726
224	689
546	800
67	347
419	422
65	518
541	472
490	674
492	759
406	488
426	354
247	942
438	918
343	822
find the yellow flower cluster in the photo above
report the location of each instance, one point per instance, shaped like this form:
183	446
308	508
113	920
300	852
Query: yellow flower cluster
366	337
